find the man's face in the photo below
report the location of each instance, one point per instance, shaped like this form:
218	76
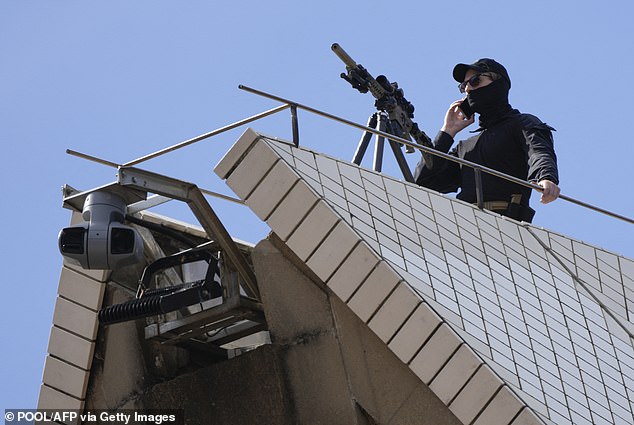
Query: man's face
483	80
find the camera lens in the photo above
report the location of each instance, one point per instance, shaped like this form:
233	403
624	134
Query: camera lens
71	240
121	240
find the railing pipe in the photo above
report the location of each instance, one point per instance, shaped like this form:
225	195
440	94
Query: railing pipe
115	165
206	135
432	151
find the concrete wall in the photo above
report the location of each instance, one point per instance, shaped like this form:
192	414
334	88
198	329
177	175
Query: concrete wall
246	390
337	370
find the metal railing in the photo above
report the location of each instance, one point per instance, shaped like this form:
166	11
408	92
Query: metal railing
477	167
293	106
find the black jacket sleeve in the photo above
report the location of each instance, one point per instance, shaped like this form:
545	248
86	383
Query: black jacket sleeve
444	176
540	150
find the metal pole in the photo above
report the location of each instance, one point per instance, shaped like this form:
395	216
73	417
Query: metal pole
92	158
479	190
434	152
295	125
115	165
221	196
206	135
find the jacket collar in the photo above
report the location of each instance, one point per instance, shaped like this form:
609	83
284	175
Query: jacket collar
492	121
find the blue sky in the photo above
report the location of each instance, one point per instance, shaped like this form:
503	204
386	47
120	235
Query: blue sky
121	79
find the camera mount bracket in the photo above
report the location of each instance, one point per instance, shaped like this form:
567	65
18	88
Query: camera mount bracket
74	199
189	193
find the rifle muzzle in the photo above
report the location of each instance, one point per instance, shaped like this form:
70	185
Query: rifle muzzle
343	55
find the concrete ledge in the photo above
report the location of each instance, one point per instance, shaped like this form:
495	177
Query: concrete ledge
249	173
413	334
312	230
332	251
292	210
527	417
97	275
65	377
435	353
50	398
226	165
75	318
373	291
271	190
501	410
355	269
81	289
71	348
394	312
475	394
455	374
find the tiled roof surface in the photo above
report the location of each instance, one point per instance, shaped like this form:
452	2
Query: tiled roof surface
506	322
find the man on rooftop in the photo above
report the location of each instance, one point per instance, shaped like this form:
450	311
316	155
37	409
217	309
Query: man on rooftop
508	141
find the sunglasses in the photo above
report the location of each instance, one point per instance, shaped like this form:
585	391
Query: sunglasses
473	81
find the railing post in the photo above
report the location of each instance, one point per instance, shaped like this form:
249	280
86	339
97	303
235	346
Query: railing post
295	125
478	184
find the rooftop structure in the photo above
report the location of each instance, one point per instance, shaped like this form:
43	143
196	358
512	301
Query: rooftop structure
483	309
503	322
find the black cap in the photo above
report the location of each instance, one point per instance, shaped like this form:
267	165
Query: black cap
481	65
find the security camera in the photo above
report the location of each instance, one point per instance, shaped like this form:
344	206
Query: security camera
102	241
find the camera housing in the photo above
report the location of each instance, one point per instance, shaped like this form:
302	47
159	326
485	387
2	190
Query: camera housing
102	241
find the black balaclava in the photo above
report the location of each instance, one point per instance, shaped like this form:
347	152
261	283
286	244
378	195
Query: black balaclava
491	102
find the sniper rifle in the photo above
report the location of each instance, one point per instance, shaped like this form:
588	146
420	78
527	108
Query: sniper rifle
391	100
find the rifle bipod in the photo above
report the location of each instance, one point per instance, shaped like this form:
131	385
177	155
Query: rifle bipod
381	122
150	302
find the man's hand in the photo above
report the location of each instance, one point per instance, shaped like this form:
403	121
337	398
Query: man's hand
550	192
455	119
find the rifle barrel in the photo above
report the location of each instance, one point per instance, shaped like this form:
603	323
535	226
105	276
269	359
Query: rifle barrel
343	55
